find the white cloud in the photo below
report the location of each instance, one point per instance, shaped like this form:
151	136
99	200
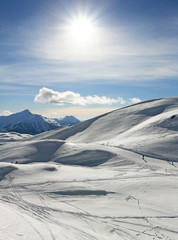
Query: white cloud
5	113
103	100
47	95
135	100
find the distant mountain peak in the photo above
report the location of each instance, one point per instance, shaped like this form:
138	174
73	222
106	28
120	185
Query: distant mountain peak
69	121
70	117
27	122
26	111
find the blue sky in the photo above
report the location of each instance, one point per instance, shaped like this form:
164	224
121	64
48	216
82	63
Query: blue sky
128	53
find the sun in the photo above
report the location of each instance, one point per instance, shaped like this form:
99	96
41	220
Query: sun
82	29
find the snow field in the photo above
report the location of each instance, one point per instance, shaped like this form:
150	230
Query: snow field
91	182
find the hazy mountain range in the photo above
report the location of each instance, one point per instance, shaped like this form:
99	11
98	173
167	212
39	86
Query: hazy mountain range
29	123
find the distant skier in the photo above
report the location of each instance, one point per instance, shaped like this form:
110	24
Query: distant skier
143	158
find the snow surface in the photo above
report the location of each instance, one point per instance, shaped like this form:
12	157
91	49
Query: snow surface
91	181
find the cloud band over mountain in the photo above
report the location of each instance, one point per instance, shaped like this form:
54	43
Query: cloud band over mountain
47	95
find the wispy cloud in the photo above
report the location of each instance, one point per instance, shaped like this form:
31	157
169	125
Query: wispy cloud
117	54
135	100
47	95
115	69
5	113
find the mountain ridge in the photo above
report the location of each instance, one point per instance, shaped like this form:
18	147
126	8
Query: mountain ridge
26	122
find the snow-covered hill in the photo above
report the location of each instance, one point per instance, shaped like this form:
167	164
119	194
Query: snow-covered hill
149	128
26	122
91	181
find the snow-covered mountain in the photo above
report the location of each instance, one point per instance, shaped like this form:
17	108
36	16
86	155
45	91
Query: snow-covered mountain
112	177
26	122
68	121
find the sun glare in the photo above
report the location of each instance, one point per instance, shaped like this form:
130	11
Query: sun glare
82	29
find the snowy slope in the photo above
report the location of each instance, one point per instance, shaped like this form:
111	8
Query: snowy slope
149	128
91	182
